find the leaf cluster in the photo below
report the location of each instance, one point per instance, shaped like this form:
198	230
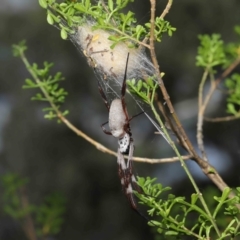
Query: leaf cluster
177	217
48	84
233	100
47	217
143	89
211	51
50	91
108	16
12	185
214	52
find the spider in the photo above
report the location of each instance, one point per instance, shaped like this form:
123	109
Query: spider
119	126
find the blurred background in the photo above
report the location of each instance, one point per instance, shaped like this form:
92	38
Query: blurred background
54	159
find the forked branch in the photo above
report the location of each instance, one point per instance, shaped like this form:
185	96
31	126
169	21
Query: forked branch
207	169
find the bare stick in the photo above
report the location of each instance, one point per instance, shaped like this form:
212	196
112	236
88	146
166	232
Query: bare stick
28	225
200	115
222	119
167	8
218	80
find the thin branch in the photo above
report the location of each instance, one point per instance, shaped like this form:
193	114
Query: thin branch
202	105
218	80
201	115
28	225
169	122
164	13
222	119
104	149
167	8
163	160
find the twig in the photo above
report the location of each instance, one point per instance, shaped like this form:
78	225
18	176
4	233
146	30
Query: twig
104	149
202	105
222	119
163	160
28	225
170	123
167	8
200	115
218	80
164	13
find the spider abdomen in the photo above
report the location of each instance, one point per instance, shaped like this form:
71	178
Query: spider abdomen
124	143
117	119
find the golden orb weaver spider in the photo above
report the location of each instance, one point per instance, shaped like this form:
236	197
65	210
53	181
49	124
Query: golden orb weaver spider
119	127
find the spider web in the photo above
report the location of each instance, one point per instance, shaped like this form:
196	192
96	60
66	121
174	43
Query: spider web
109	63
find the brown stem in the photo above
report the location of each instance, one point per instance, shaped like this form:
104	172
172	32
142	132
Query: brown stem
167	8
104	149
203	104
28	225
222	119
218	80
200	115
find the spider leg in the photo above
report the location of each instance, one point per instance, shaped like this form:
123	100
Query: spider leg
103	95
130	168
105	130
123	91
136	115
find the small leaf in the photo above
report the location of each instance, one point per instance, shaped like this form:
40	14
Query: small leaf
194	198
63	34
43	3
139	85
50	19
231	108
110	5
30	83
171	233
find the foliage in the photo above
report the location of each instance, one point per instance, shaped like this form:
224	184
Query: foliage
70	14
233	86
47	216
210	52
213	52
174	215
13	184
143	89
48	84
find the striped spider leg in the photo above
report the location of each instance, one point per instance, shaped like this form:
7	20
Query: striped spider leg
120	128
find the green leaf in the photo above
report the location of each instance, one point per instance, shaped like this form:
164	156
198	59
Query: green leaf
19	48
63	34
50	19
171	233
29	83
110	5
237	29
194	198
211	51
43	3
